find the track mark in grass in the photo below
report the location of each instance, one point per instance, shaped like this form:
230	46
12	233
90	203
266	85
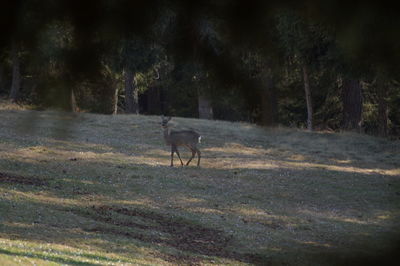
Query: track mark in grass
22	180
184	235
181	234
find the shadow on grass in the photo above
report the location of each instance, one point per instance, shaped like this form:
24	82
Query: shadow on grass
389	257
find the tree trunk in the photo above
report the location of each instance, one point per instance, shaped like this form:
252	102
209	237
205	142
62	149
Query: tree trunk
135	98
308	98
154	104
352	105
115	100
205	108
16	75
131	93
382	108
1	77
74	106
269	104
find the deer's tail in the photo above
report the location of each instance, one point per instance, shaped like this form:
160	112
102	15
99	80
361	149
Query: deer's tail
199	139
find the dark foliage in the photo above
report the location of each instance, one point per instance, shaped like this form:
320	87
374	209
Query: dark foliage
336	39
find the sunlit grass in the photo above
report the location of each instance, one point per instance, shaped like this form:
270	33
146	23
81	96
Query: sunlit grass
23	252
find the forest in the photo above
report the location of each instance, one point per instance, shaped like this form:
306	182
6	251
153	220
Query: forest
173	132
320	65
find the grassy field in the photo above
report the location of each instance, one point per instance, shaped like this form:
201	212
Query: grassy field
91	189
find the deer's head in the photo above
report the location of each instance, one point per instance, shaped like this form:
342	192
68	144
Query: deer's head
164	121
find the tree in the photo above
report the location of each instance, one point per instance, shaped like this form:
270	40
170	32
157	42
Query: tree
297	42
2	79
115	99
382	93
204	103
306	44
16	74
352	104
201	84
137	55
308	97
131	92
261	70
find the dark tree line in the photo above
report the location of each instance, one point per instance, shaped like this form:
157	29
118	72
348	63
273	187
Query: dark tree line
314	64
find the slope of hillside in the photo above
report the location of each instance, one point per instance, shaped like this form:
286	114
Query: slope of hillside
98	190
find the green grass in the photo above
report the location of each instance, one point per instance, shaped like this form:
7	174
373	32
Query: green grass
91	189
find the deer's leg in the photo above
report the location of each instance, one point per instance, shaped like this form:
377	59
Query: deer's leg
193	154
172	155
199	155
179	156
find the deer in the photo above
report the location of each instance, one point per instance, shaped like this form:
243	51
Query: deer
187	138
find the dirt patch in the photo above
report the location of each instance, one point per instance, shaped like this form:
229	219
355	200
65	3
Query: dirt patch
23	180
175	232
186	236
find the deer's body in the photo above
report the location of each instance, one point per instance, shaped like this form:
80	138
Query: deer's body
186	138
